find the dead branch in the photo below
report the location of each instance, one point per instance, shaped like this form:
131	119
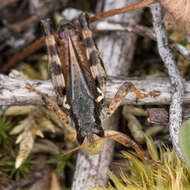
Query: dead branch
177	86
13	91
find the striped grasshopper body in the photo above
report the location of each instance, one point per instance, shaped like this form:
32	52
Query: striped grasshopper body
79	79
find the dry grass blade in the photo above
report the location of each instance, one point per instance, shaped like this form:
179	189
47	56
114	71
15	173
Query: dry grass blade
28	129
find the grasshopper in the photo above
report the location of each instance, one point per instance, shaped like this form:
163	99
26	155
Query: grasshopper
79	79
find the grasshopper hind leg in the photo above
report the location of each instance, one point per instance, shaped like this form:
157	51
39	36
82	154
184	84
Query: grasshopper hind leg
94	58
54	65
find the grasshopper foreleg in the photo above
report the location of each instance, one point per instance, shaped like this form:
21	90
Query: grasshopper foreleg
51	104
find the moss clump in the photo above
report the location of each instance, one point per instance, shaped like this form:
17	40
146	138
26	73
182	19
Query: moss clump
172	174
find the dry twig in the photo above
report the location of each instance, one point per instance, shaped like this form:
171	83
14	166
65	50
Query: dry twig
13	91
177	86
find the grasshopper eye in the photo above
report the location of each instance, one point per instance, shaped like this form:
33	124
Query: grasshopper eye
84	19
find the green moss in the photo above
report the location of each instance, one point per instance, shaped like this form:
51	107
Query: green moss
172	174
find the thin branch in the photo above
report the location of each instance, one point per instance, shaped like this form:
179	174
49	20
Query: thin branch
13	91
177	86
121	10
23	54
103	26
